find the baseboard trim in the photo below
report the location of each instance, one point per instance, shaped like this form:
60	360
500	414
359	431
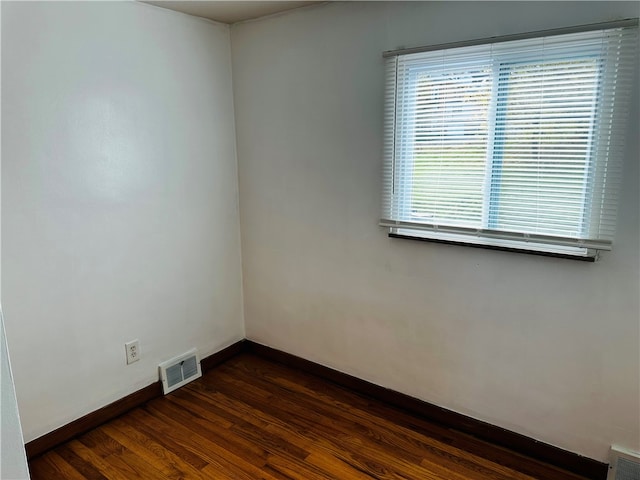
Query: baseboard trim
96	418
222	356
584	466
91	420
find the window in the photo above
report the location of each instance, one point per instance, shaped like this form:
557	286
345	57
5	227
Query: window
513	143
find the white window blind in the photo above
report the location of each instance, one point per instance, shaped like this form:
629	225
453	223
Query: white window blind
512	143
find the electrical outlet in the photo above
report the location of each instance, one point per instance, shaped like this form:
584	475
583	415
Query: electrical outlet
133	351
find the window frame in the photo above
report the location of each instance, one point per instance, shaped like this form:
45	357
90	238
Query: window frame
487	235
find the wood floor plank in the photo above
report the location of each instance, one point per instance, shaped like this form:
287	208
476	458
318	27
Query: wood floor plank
379	433
336	467
338	396
136	419
121	463
89	471
53	466
225	462
186	414
500	460
159	457
369	461
152	451
91	456
296	470
388	434
370	452
251	419
266	423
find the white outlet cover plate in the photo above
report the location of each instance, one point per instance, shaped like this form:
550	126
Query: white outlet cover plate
133	351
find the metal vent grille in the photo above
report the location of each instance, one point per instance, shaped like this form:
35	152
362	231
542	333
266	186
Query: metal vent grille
627	470
180	370
190	367
624	465
174	375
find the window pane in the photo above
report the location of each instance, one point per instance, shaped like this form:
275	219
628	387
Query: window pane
542	150
450	146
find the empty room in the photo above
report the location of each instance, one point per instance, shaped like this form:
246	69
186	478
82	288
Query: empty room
320	240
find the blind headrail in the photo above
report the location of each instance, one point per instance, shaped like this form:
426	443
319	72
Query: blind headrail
627	22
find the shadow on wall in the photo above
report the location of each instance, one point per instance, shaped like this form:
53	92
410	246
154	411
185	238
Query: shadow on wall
13	460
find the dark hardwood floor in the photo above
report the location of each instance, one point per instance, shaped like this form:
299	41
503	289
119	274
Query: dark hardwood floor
252	419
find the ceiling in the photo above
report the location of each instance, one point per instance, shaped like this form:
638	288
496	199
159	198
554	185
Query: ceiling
229	11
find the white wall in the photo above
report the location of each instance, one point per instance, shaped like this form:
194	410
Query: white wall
13	460
541	346
119	199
